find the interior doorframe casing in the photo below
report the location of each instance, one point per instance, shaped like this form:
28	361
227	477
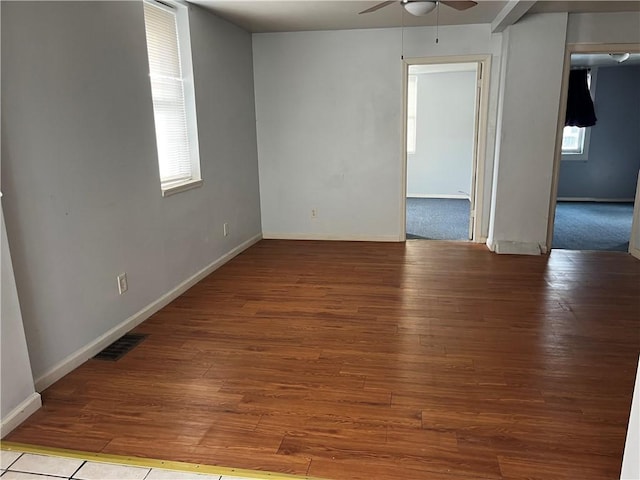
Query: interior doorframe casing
480	141
562	111
635	223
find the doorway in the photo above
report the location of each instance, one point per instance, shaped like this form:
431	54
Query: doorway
444	112
596	174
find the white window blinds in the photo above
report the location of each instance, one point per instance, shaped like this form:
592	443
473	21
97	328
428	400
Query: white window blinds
167	89
572	140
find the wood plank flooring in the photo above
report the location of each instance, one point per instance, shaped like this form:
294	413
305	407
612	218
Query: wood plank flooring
424	360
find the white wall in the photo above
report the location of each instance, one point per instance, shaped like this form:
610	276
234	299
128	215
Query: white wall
529	104
621	27
80	175
17	393
329	116
631	458
443	160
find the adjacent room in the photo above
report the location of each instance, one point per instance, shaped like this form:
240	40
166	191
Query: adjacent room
204	251
441	134
600	163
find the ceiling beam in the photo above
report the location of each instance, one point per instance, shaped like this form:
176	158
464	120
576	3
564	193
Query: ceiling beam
513	11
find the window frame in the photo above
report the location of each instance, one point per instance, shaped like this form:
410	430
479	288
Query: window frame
183	33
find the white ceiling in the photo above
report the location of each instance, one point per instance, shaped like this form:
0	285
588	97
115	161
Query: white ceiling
295	15
298	15
589	6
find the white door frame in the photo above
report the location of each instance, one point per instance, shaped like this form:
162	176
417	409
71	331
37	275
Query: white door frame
479	144
562	111
635	225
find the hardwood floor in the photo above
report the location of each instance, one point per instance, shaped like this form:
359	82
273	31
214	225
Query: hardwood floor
429	360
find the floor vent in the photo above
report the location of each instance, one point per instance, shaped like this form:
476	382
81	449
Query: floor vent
120	347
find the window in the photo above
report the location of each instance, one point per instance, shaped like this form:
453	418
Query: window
168	49
575	140
412	112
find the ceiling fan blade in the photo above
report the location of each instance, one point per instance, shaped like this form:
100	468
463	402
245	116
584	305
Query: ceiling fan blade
459	4
377	7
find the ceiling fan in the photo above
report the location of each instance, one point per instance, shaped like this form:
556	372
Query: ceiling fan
423	7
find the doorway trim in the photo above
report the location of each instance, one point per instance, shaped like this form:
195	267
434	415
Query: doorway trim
562	111
480	140
635	223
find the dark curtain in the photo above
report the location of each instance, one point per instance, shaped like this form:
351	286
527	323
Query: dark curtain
580	111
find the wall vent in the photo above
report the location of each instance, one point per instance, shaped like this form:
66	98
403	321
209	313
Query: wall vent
120	347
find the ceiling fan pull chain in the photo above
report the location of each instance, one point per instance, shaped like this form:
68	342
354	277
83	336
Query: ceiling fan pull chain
402	38
437	21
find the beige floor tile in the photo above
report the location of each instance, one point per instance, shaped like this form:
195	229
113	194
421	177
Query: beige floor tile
46	465
9	475
108	471
7	458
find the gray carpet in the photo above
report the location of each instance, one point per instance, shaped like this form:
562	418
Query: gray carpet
592	226
438	218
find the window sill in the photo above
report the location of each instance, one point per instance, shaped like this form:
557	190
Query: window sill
181	187
574	157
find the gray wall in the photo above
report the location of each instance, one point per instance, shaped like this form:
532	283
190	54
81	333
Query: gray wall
80	175
443	160
15	375
611	170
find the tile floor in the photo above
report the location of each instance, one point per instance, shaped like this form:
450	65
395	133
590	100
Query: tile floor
30	466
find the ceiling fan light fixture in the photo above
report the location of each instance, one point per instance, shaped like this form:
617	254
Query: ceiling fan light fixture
419	8
619	57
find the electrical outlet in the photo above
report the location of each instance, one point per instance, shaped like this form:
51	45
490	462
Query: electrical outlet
225	229
123	286
314	213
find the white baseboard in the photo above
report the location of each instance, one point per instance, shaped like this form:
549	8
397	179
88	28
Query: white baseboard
635	252
435	195
19	414
80	356
515	248
342	238
593	199
322	236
